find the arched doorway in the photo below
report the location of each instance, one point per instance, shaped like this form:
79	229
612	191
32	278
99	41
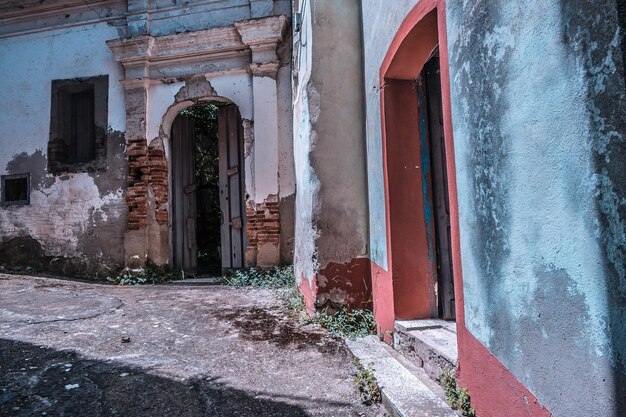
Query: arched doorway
207	189
417	142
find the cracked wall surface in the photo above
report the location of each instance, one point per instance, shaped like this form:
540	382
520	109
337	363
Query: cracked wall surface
539	140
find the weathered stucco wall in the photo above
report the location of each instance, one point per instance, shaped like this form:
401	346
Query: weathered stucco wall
538	113
331	202
72	215
380	23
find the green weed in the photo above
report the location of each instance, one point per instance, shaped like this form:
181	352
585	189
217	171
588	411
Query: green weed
458	398
366	383
149	274
273	278
347	323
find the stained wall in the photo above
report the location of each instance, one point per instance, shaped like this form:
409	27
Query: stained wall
538	114
72	215
331	205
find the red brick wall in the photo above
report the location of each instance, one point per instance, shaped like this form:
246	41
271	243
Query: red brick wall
137	193
263	225
159	181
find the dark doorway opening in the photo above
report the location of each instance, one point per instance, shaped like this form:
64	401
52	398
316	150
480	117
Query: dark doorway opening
429	96
206	189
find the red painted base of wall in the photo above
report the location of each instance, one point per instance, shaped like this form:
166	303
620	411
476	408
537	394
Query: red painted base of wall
494	390
338	285
308	289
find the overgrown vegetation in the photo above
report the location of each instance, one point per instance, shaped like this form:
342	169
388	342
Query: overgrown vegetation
342	323
274	278
347	323
149	274
367	384
458	398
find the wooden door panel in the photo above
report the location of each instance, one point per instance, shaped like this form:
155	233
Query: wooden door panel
440	189
185	249
231	186
225	245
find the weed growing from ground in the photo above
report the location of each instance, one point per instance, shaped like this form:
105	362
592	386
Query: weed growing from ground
351	324
343	323
274	278
367	384
149	274
458	398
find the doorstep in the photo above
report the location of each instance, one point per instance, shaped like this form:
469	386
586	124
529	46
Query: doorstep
199	281
406	390
429	344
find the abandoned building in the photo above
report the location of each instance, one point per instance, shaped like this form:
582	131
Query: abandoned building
113	166
458	167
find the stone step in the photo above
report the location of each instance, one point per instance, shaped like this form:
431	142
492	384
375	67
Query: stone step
199	281
429	344
406	389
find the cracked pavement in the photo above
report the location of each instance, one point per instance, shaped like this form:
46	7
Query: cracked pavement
83	349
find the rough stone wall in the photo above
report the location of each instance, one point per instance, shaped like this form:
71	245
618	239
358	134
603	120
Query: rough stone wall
331	200
76	218
538	113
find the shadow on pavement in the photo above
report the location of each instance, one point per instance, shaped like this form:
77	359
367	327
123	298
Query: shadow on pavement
36	380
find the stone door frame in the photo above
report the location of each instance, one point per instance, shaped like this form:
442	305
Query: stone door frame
188	62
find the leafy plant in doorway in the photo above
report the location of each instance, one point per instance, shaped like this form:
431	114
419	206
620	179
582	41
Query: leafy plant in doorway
458	398
149	274
273	278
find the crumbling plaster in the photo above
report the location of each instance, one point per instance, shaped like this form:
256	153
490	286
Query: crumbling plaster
70	213
331	202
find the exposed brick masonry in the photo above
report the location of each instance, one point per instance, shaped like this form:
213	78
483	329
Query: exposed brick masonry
263	224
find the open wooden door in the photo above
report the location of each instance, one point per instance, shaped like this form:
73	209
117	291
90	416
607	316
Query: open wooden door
231	187
439	176
185	249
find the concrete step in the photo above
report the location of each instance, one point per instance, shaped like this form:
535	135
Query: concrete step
199	281
429	344
406	389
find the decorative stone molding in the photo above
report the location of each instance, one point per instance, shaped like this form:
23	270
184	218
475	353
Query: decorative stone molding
175	55
262	36
194	57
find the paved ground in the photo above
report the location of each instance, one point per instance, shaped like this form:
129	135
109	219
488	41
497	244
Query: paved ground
76	349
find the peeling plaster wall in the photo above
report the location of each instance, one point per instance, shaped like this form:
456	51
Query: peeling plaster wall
380	23
331	199
74	215
538	105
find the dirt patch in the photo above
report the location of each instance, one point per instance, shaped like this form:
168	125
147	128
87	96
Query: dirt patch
258	325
